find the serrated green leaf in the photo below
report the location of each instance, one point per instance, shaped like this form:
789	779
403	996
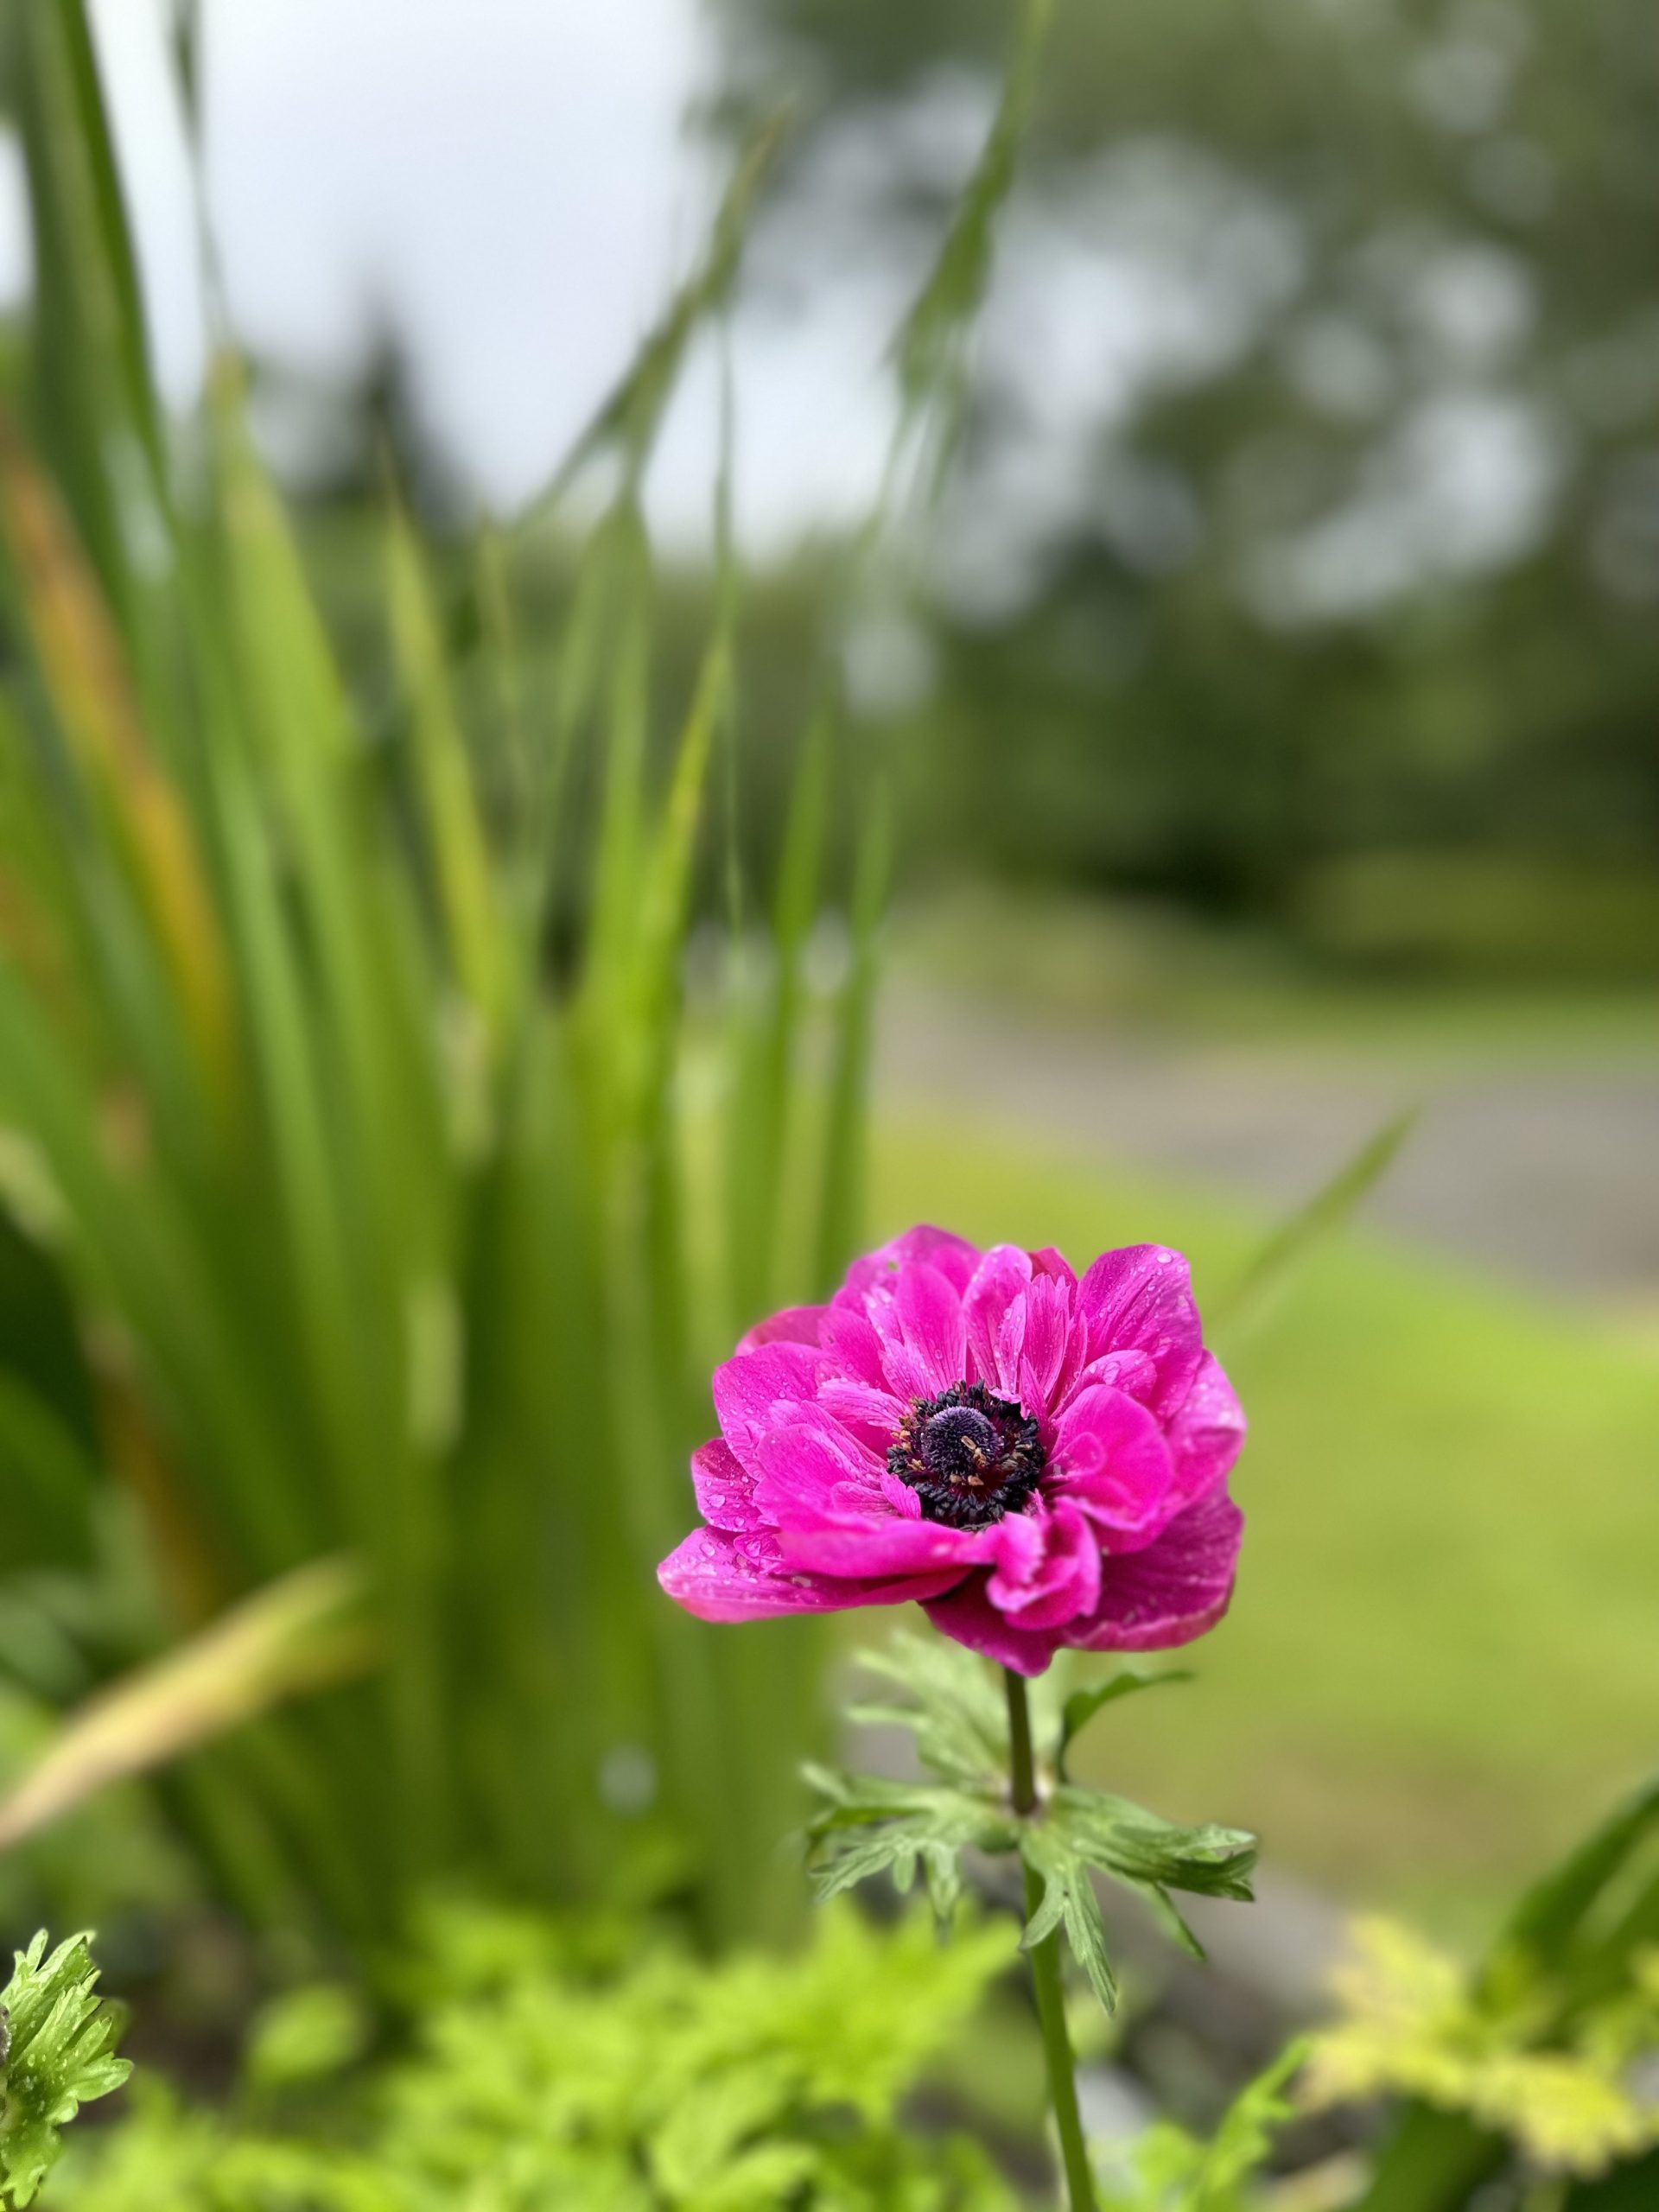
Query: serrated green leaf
942	1867
1241	2143
1163	1909
58	2056
1126	1840
869	1826
1068	1901
956	1712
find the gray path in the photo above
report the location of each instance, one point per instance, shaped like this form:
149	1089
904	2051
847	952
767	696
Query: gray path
1544	1170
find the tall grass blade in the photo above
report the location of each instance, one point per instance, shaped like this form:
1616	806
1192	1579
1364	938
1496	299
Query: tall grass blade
1328	1211
93	395
84	669
306	1632
841	1214
933	341
473	927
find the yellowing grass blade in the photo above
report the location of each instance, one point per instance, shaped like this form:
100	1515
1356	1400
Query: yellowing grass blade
84	670
304	1632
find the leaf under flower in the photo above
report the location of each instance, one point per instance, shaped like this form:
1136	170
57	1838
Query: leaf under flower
56	2049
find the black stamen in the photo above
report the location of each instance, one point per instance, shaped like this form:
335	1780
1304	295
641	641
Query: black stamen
970	1458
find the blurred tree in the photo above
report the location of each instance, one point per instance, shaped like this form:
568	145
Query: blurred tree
1312	513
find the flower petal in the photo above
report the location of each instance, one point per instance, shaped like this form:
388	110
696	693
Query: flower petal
993	1312
1206	1434
753	1390
882	1542
721	1577
1149	1600
1048	1325
725	1488
1128	1369
967	1615
1048	1261
923	1340
1063	1580
1141	1298
872	1415
954	1257
851	1348
1173	1590
1111	1460
809	1468
796	1325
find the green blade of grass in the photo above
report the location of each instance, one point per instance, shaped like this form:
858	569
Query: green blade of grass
1328	1211
840	1212
93	397
478	948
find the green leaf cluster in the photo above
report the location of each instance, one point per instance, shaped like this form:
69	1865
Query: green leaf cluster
56	2054
1411	2026
1169	2170
950	1704
539	2079
1529	2050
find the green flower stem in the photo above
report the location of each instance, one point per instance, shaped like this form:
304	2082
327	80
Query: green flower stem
1045	1970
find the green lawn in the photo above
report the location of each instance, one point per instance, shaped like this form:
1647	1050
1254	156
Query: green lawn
1444	1654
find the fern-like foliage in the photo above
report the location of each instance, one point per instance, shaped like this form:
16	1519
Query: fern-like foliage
57	2043
549	2071
1169	2170
1563	2093
949	1702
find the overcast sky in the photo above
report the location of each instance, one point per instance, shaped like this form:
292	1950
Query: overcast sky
512	185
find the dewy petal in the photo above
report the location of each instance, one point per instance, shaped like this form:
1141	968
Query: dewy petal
883	1542
796	1325
722	1577
1206	1434
1048	1261
924	1343
1128	1369
994	1311
1110	1458
1141	1298
1150	1601
1048	1324
725	1489
851	1348
1173	1590
753	1390
955	1258
1061	1583
873	1416
810	1467
967	1615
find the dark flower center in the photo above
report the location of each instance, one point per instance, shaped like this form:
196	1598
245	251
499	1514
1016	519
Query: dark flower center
970	1458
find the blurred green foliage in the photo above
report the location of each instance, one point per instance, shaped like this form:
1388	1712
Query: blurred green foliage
343	1152
588	2068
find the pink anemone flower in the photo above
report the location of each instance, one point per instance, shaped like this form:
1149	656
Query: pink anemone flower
1041	1460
